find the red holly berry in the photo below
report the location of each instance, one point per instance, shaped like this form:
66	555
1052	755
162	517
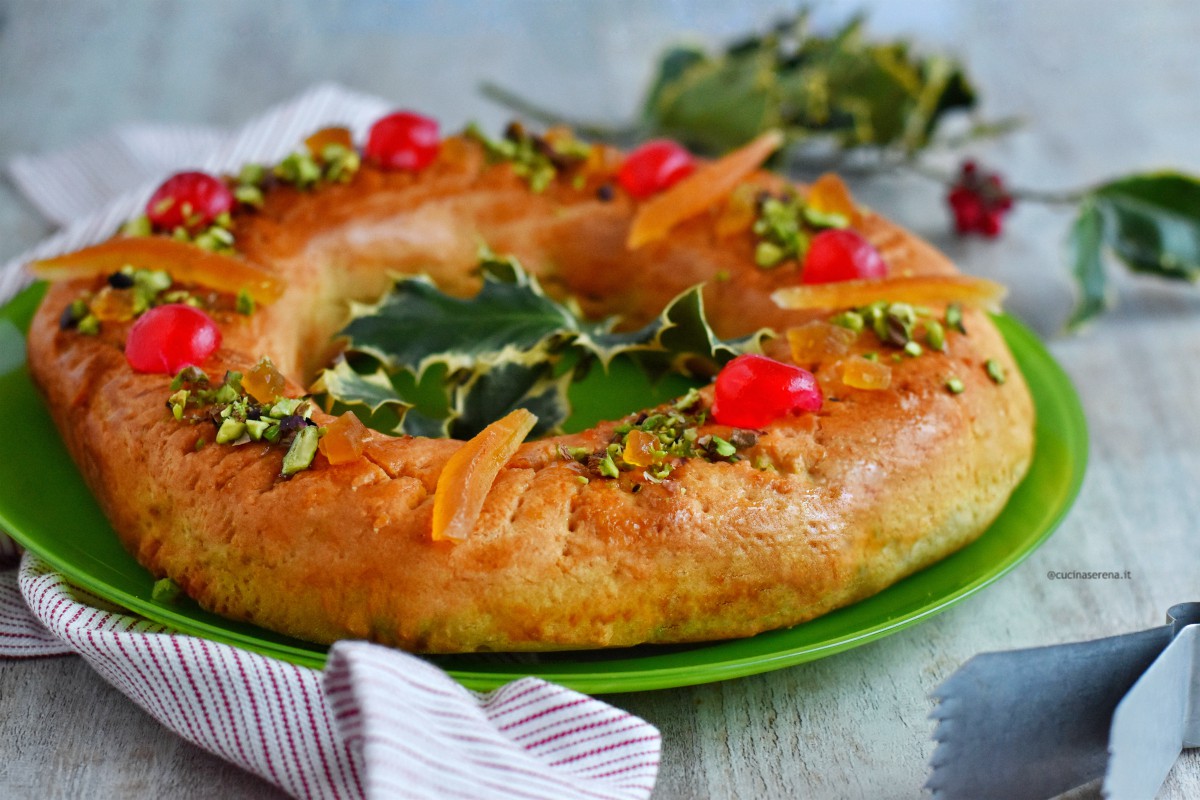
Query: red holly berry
753	391
656	165
840	254
168	338
979	201
403	140
191	200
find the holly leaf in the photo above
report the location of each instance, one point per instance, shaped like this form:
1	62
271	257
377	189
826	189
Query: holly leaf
417	325
488	395
441	365
372	390
715	105
859	92
678	340
1086	243
1152	223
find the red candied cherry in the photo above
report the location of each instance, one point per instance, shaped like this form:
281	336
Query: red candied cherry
168	338
753	391
979	201
403	140
840	254
189	199
655	166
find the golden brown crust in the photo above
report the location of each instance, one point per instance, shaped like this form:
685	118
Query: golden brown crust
874	487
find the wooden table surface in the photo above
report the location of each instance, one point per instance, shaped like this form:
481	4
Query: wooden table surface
1103	87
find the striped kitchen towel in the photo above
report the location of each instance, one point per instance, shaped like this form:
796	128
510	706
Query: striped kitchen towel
377	722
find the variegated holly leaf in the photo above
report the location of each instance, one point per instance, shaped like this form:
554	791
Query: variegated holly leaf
490	394
417	325
1150	222
675	341
433	364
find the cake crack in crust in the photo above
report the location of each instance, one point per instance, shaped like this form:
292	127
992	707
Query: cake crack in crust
817	510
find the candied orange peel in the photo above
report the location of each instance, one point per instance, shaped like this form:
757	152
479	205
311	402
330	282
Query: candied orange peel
317	143
185	262
917	289
830	195
696	193
469	474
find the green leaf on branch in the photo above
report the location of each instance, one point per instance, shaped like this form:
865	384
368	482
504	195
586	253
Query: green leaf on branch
1150	222
429	364
860	93
1086	242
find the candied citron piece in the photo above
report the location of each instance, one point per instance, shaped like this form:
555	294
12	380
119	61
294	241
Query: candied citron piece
263	382
343	439
915	289
696	193
830	195
185	262
859	373
602	161
317	143
639	448
469	474
113	305
739	213
818	340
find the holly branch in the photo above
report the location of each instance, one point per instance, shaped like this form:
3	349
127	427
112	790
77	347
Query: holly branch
853	104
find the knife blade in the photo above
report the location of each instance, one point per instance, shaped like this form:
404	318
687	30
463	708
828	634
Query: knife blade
1038	722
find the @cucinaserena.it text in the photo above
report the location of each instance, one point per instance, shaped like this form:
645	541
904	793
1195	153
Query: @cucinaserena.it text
1088	575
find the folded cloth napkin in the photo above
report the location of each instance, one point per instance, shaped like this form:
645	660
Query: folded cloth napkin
377	722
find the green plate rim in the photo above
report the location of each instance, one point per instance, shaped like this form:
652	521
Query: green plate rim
1054	480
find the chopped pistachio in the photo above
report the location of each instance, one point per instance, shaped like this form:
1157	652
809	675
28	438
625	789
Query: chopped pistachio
341	163
850	320
165	591
608	467
273	433
913	349
824	219
995	370
249	195
252	175
935	335
582	480
199	445
767	255
230	431
178	402
256	428
954	318
138	226
687	401
955	385
723	448
188	375
89	325
245	303
285	407
299	169
300	455
871	356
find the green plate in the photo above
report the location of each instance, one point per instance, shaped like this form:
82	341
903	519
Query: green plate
47	508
